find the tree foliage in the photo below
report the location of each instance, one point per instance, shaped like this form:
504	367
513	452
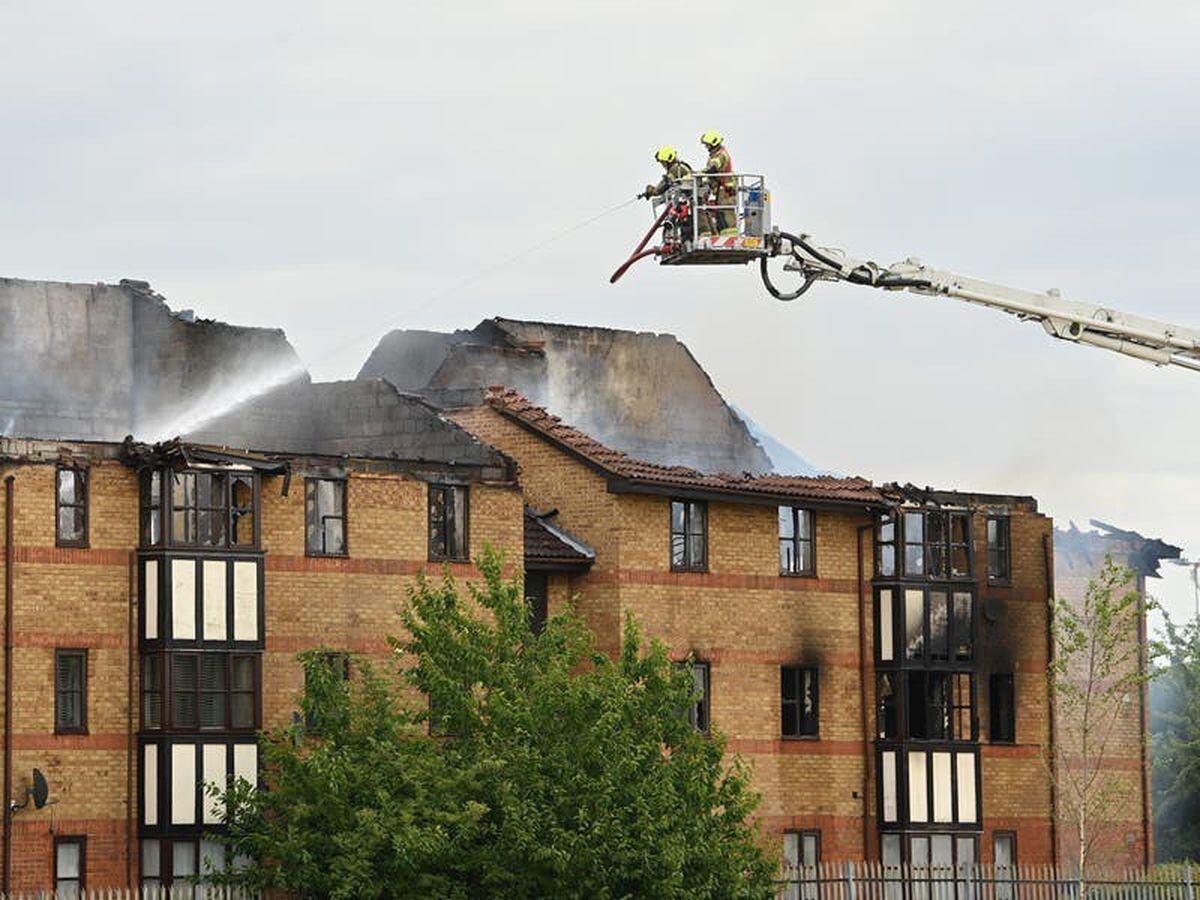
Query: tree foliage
1096	674
1175	736
554	771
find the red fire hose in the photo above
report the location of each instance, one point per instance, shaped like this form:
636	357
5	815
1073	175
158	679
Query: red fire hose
639	252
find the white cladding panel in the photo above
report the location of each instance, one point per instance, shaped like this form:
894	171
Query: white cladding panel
183	599
943	789
967	802
245	601
215	756
183	784
245	762
918	804
885	625
150	577
150	784
890	810
214	600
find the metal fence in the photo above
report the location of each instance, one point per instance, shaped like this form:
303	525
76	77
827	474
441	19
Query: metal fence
875	881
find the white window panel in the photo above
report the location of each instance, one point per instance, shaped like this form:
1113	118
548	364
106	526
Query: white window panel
943	789
150	784
212	858
214	600
183	784
215	756
967	801
150	576
886	650
918	803
245	601
890	810
183	599
245	762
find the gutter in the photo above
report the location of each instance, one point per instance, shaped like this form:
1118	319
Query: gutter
1048	562
8	674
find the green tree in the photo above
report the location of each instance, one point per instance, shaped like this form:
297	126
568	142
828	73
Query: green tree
1175	737
556	771
1097	670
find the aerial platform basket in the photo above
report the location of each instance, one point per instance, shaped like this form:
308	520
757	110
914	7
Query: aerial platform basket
699	231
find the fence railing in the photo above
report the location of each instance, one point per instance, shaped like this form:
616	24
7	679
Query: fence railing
875	881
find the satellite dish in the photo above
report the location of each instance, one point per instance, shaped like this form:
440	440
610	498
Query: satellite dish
40	791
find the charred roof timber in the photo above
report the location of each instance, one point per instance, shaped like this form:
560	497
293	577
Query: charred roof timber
1087	549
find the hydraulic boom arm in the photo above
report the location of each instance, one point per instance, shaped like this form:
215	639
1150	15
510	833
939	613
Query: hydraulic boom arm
1161	343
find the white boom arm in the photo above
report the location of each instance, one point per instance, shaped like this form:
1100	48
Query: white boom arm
1161	343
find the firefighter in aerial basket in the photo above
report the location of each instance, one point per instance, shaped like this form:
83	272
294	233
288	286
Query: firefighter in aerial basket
721	192
674	169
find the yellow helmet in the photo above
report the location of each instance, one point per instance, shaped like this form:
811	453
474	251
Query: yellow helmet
712	139
667	154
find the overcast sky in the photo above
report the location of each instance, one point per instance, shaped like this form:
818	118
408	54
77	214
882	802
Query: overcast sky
328	168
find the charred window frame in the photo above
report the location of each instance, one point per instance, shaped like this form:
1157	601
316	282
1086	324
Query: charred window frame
70	865
699	712
205	691
885	545
937	544
800	706
201	508
927	705
153	504
325	517
936	625
689	536
887	706
1002	708
449	514
999	550
71	507
70	691
797	541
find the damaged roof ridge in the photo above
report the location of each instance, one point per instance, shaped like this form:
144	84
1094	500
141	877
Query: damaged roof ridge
620	465
499	322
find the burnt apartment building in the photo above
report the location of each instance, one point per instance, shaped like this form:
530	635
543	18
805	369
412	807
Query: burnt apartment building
878	653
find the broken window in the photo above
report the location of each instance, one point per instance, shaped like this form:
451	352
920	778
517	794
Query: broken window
70	507
796	541
799	695
698	712
999	549
885	545
198	509
960	545
448	522
964	626
152	508
241	511
914	543
887	706
940	706
689	535
1002	708
70	691
939	625
325	516
914	624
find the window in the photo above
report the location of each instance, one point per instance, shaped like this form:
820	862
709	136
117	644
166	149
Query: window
940	706
1003	708
198	509
202	508
152	692
70	508
241	511
151	864
167	861
799	696
325	517
537	599
999	549
801	853
1004	854
152	508
448	522
689	535
885	545
70	691
208	691
936	545
796	541
699	711
69	865
887	706
938	625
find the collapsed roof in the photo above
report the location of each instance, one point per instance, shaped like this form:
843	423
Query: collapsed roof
640	392
1077	551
